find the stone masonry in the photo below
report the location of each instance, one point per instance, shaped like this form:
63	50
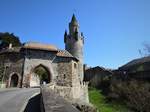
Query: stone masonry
64	67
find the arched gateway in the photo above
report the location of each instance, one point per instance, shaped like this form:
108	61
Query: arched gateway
40	75
14	80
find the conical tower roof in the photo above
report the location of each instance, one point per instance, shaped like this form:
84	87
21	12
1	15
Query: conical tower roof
74	20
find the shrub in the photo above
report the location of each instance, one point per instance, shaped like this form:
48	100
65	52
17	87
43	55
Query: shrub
136	94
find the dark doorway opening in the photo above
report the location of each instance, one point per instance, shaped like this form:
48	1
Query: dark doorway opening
14	80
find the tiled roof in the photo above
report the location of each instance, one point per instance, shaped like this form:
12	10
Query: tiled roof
101	69
39	46
64	53
137	62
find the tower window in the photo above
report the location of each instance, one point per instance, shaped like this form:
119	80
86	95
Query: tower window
64	76
75	65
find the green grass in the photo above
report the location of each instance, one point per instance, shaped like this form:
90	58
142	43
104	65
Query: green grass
99	100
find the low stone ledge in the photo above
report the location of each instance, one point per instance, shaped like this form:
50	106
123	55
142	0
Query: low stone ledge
53	102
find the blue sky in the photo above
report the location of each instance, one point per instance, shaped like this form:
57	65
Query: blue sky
114	30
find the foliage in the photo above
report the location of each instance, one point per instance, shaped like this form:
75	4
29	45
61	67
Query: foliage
100	101
140	68
135	94
101	82
104	84
42	73
7	38
1	72
146	50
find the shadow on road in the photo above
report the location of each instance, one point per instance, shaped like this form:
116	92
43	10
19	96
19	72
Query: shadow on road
34	104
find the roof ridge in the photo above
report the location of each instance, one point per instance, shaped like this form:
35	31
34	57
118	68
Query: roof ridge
137	61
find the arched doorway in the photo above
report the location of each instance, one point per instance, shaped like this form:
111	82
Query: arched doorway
14	80
43	74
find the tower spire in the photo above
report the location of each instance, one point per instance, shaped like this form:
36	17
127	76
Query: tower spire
73	25
73	18
74	43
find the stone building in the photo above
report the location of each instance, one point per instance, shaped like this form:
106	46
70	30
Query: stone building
64	68
96	75
136	69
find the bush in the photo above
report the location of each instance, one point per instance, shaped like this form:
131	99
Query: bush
104	85
136	94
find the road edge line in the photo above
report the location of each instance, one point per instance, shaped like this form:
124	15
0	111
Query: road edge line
26	102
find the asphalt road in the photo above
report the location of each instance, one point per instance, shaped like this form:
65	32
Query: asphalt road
16	100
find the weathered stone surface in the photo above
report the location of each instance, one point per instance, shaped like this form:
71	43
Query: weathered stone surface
11	63
55	103
63	73
74	42
73	94
64	69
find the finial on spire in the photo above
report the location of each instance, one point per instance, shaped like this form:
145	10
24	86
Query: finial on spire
73	18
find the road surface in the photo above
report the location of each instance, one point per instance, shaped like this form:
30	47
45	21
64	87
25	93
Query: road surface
16	100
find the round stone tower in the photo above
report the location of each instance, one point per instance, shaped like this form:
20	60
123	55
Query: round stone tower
74	42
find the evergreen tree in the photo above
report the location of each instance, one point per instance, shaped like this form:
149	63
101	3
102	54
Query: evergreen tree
7	38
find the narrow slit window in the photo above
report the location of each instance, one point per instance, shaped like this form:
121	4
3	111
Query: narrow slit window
64	76
75	65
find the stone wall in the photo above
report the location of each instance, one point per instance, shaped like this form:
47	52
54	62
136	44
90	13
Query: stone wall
75	74
75	47
64	69
35	58
53	102
35	80
69	86
67	72
12	64
72	94
84	93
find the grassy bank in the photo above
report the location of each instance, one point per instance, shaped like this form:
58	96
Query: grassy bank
99	100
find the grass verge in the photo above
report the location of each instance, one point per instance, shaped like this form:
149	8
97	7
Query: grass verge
99	100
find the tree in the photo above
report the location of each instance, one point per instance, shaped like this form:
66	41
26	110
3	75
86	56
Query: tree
135	94
7	38
146	50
